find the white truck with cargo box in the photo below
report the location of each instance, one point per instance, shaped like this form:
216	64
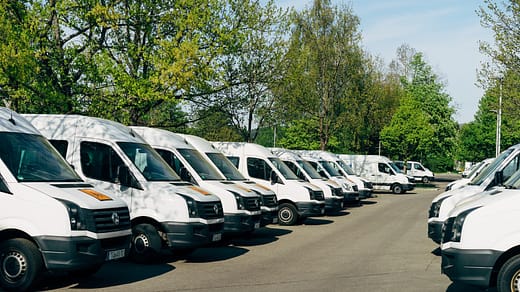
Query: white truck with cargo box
380	171
166	212
501	169
297	199
416	170
241	205
481	240
334	198
216	158
50	219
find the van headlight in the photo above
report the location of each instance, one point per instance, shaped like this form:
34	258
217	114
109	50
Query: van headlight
241	204
452	228
77	216
435	208
191	204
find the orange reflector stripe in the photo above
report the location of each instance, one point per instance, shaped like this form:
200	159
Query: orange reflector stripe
202	191
96	194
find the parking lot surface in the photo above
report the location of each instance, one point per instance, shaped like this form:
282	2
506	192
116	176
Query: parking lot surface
381	245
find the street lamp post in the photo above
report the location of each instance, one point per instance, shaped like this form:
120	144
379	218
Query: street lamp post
499	119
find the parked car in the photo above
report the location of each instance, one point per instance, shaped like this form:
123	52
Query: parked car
416	170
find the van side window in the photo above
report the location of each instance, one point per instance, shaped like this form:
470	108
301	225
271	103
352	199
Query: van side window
61	146
258	168
383	167
234	159
418	167
3	186
99	161
511	168
174	163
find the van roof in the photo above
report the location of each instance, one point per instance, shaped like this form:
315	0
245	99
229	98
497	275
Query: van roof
162	138
238	148
63	126
201	144
11	121
285	154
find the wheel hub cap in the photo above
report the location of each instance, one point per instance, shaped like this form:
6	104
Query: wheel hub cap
141	243
14	265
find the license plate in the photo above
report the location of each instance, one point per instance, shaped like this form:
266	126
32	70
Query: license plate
275	220
322	211
115	254
216	237
257	225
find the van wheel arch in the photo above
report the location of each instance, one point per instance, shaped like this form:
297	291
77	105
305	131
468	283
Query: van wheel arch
146	241
504	257
21	264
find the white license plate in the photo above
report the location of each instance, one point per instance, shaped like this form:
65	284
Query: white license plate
216	237
275	220
257	225
323	211
115	254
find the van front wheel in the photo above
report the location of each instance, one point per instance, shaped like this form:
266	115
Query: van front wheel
287	214
425	180
397	189
509	275
21	264
146	243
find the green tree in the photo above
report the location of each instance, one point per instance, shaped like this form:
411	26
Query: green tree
323	64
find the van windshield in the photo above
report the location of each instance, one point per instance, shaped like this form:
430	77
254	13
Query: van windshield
309	169
225	166
491	168
395	167
148	161
329	167
345	167
283	168
31	158
201	166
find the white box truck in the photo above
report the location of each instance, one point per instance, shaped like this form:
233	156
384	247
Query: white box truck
166	212
501	169
297	199
481	241
334	198
380	171
50	219
241	205
215	157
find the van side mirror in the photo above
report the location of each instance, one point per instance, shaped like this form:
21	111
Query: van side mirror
274	178
126	178
499	178
186	175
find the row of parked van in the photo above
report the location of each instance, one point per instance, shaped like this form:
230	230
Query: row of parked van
475	223
77	191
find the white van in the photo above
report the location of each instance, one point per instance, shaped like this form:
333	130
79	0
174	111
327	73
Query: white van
297	199
471	175
241	205
327	170
416	170
380	171
269	205
165	211
501	169
50	219
481	240
334	198
364	187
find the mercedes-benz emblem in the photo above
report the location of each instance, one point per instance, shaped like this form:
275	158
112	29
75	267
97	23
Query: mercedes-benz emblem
215	208
115	218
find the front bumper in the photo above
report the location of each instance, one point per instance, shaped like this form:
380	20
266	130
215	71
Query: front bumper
408	187
334	204
473	267
365	194
435	231
193	234
82	252
269	216
351	197
310	209
241	223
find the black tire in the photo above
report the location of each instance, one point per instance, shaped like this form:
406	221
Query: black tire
21	264
287	214
425	180
397	189
509	275
146	244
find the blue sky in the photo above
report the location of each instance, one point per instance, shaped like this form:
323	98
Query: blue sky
447	32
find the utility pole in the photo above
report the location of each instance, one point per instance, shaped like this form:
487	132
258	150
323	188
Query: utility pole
499	118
